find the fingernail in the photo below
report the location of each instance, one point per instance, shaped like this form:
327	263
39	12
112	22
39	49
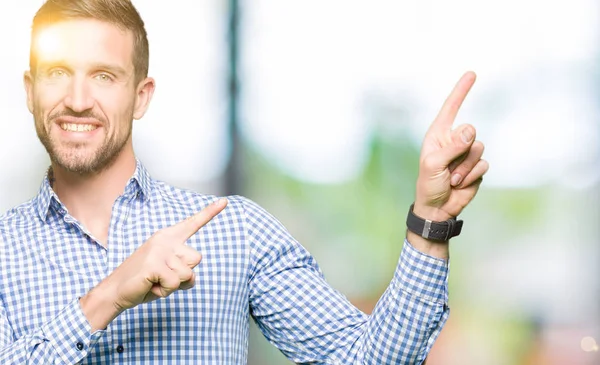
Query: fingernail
467	135
220	202
455	179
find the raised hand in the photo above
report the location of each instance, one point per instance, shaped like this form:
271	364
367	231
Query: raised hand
450	168
162	265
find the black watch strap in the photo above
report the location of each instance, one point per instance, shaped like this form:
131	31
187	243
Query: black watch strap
436	231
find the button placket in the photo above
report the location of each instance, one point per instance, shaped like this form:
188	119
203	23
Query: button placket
117	254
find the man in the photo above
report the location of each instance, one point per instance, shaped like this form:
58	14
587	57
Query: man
84	262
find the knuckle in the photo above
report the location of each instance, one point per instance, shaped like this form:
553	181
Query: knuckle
167	292
196	256
484	165
187	285
478	148
478	145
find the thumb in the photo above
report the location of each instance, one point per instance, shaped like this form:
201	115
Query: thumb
188	227
461	140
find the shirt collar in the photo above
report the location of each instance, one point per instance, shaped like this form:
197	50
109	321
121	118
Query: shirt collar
139	185
45	196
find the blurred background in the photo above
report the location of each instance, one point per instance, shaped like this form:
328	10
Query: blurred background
316	110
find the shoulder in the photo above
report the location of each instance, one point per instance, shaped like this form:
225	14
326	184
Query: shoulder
20	218
21	215
182	199
239	208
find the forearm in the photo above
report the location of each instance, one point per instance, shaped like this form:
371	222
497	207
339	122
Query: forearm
438	250
328	329
410	315
66	339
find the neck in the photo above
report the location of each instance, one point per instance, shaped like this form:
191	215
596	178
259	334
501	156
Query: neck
90	198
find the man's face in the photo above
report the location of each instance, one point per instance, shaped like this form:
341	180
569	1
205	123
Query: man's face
83	94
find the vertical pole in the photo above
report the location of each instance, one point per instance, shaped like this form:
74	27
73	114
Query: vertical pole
233	175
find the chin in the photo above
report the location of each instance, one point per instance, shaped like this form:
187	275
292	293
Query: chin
79	163
79	167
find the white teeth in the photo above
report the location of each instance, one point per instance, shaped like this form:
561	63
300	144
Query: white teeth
70	127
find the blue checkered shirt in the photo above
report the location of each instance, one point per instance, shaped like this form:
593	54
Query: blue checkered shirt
251	268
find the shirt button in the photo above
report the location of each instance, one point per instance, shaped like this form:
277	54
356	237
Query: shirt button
79	346
120	349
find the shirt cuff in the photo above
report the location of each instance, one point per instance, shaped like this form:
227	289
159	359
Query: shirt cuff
70	334
422	276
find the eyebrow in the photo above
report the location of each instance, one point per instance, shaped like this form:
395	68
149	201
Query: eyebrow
115	70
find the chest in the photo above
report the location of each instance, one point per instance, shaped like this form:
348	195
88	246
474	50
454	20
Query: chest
49	266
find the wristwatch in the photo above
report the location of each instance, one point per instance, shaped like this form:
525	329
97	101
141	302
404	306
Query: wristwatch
436	231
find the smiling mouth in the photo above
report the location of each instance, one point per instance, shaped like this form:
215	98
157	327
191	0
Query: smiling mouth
72	127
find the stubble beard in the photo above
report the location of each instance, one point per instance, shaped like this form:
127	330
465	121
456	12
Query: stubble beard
76	157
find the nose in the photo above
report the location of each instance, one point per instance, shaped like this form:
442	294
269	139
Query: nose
79	97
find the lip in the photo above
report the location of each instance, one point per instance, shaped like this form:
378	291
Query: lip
79	136
77	120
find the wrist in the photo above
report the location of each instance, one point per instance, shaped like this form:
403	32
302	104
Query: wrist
434	230
431	213
436	249
99	309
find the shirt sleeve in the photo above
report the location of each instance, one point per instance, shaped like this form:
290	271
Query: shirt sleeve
66	339
310	322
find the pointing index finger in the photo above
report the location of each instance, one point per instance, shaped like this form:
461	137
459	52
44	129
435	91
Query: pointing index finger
449	110
188	227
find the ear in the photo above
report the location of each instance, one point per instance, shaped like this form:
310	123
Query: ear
28	82
144	93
